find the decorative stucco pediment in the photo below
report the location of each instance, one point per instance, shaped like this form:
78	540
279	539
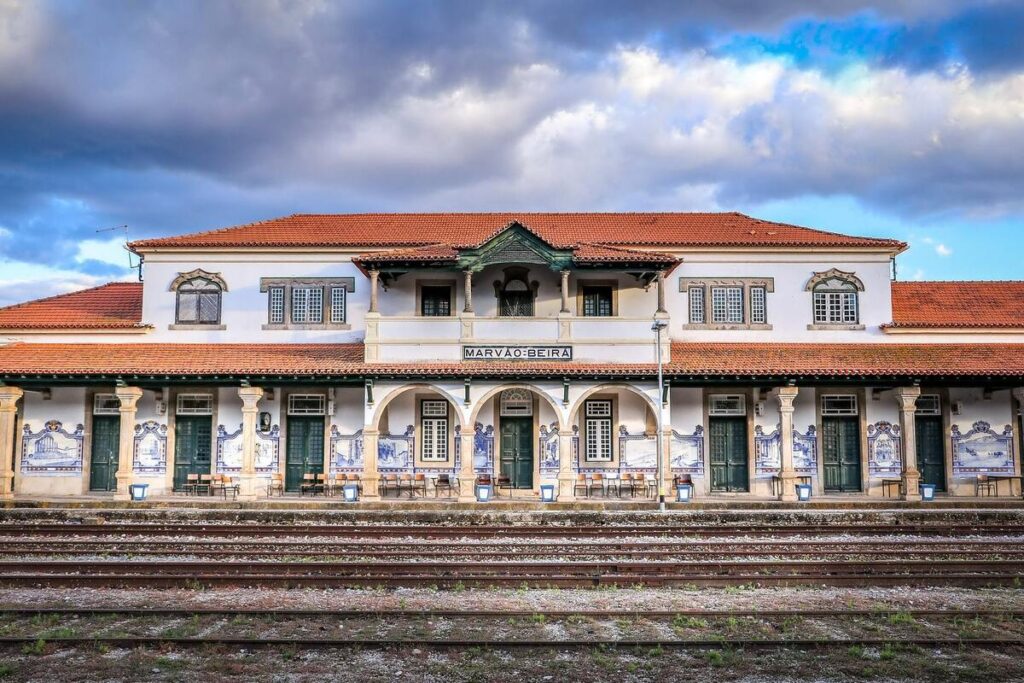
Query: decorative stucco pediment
836	279
515	244
197	273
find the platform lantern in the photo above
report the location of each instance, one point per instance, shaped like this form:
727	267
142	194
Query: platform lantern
684	493
547	493
483	493
803	492
927	492
137	491
351	493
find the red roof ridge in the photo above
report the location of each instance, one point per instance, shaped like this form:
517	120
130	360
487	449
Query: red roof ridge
958	282
22	304
113	305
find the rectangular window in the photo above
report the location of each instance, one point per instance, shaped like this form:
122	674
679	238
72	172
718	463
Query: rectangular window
597	301
727	305
727	405
838	405
928	404
698	316
434	431
195	404
307	305
276	306
337	304
598	431
435	301
835	308
106	404
307	404
758	308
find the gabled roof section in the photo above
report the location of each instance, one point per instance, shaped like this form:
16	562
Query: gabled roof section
967	305
560	230
116	305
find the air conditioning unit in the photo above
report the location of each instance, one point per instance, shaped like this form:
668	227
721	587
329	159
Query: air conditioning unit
957	407
759	408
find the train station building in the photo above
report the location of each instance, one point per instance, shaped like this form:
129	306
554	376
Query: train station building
521	346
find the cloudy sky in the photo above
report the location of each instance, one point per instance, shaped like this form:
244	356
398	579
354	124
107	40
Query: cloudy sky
903	118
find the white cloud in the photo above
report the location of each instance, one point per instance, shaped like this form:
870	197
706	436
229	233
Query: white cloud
107	251
943	250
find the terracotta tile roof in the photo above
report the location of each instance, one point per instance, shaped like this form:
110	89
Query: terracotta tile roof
958	304
559	229
733	361
111	306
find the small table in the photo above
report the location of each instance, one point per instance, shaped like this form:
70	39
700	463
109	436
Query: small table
887	485
777	482
997	478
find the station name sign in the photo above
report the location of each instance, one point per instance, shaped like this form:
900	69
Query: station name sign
507	352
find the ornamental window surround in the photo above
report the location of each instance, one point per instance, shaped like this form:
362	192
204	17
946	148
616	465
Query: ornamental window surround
835	300
198	300
727	303
307	303
516	294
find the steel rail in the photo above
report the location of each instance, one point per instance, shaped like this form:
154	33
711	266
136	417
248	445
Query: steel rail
499	581
485	613
547	644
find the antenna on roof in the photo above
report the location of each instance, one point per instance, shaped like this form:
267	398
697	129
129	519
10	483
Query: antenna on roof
131	264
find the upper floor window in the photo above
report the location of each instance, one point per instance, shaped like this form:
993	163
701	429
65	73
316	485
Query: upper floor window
727	303
597	300
198	298
835	296
305	303
436	301
516	293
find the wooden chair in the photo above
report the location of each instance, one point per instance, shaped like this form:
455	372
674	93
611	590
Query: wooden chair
191	487
640	483
405	484
229	485
336	485
443	481
321	483
597	481
308	484
275	485
581	485
984	484
419	483
627	483
504	482
205	484
389	482
611	481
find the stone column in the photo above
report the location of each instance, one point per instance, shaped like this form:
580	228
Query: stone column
661	293
907	399
374	280
370	476
9	397
467	473
565	291
787	475
250	417
566	475
468	286
129	397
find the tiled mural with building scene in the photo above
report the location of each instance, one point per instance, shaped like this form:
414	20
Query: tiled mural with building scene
768	450
884	449
229	450
686	452
150	448
52	451
982	449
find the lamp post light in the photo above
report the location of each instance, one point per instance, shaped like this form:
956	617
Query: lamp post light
657	327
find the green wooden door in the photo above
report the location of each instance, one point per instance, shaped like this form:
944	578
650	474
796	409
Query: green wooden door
193	441
728	452
517	450
305	450
106	437
931	455
840	446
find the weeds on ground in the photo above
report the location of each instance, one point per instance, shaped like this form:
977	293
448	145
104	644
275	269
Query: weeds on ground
37	648
684	621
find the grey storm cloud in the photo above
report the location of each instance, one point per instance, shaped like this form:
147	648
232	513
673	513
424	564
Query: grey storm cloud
190	115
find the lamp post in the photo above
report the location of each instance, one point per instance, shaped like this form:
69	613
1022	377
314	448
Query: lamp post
657	327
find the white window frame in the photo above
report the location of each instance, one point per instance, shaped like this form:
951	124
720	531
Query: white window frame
106	404
516	403
307	305
339	307
698	306
719	405
727	305
319	406
182	409
598	431
434	431
275	306
932	404
830	405
836	305
758	305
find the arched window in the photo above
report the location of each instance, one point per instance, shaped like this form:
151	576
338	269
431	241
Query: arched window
835	295
516	293
198	298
